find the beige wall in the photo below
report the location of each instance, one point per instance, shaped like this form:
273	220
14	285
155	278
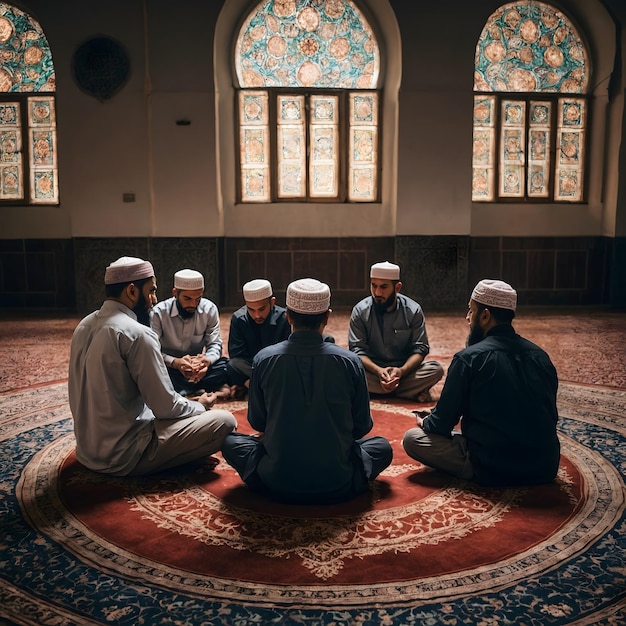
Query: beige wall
183	176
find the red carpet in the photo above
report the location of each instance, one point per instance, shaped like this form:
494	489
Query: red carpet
414	523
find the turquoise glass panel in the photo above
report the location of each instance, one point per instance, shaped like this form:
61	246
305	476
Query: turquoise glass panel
25	56
298	43
528	47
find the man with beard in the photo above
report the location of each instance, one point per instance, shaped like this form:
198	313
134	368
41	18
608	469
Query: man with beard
188	327
257	324
388	332
128	420
503	389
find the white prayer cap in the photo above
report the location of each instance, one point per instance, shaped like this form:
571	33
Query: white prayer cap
308	296
257	289
495	293
188	280
389	271
126	269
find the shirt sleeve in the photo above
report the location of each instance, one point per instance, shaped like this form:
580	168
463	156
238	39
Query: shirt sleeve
419	336
156	323
357	333
257	414
148	370
361	413
450	407
212	335
236	340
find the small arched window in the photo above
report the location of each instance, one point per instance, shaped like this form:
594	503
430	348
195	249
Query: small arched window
28	145
531	74
308	103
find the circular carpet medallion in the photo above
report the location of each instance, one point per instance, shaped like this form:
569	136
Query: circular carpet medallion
194	547
417	534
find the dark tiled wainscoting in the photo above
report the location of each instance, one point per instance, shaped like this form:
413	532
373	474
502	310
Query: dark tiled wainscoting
437	271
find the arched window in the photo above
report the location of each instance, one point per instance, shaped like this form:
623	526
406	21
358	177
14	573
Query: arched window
531	74
28	146
308	103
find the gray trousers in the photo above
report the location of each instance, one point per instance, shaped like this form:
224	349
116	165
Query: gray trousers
176	442
443	453
423	378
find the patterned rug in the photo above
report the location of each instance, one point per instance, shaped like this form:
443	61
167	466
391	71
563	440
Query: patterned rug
193	546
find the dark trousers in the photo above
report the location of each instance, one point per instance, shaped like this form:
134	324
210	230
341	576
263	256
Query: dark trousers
214	379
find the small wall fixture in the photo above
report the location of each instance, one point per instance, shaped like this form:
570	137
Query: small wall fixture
183	122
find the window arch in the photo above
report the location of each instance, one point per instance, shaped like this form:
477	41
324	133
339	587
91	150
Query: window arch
308	103
531	75
28	146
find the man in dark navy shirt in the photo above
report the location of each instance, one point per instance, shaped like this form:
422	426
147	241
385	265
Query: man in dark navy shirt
260	322
309	402
502	388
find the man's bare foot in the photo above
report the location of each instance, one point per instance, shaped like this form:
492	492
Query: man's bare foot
424	396
223	393
211	462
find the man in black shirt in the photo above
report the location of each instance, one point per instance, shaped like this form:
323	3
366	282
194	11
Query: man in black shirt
502	388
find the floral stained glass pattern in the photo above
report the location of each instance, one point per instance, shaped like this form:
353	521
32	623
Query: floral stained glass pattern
25	57
292	151
363	146
324	164
529	48
10	152
254	146
324	44
26	69
43	159
319	47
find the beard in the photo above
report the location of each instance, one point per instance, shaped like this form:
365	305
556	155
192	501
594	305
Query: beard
142	310
184	313
475	335
382	307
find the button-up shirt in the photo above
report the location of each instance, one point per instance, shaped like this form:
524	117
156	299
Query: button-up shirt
310	399
118	385
503	389
402	334
194	335
246	337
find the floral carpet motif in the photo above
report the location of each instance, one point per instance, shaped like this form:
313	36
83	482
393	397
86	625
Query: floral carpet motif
192	547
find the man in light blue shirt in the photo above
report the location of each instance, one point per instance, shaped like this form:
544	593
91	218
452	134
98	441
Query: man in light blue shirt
188	327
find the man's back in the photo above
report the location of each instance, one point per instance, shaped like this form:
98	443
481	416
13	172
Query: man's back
310	399
509	408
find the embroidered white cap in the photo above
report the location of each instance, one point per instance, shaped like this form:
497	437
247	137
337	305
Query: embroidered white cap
308	296
386	270
495	293
257	289
126	269
188	280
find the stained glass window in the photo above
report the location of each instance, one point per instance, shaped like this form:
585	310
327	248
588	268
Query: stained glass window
531	74
28	145
308	73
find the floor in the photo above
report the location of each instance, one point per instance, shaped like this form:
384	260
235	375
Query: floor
587	345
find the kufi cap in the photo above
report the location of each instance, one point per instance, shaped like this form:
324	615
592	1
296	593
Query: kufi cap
308	296
495	293
126	269
188	280
257	289
387	270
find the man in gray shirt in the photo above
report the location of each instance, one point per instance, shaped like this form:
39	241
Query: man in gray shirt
388	332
